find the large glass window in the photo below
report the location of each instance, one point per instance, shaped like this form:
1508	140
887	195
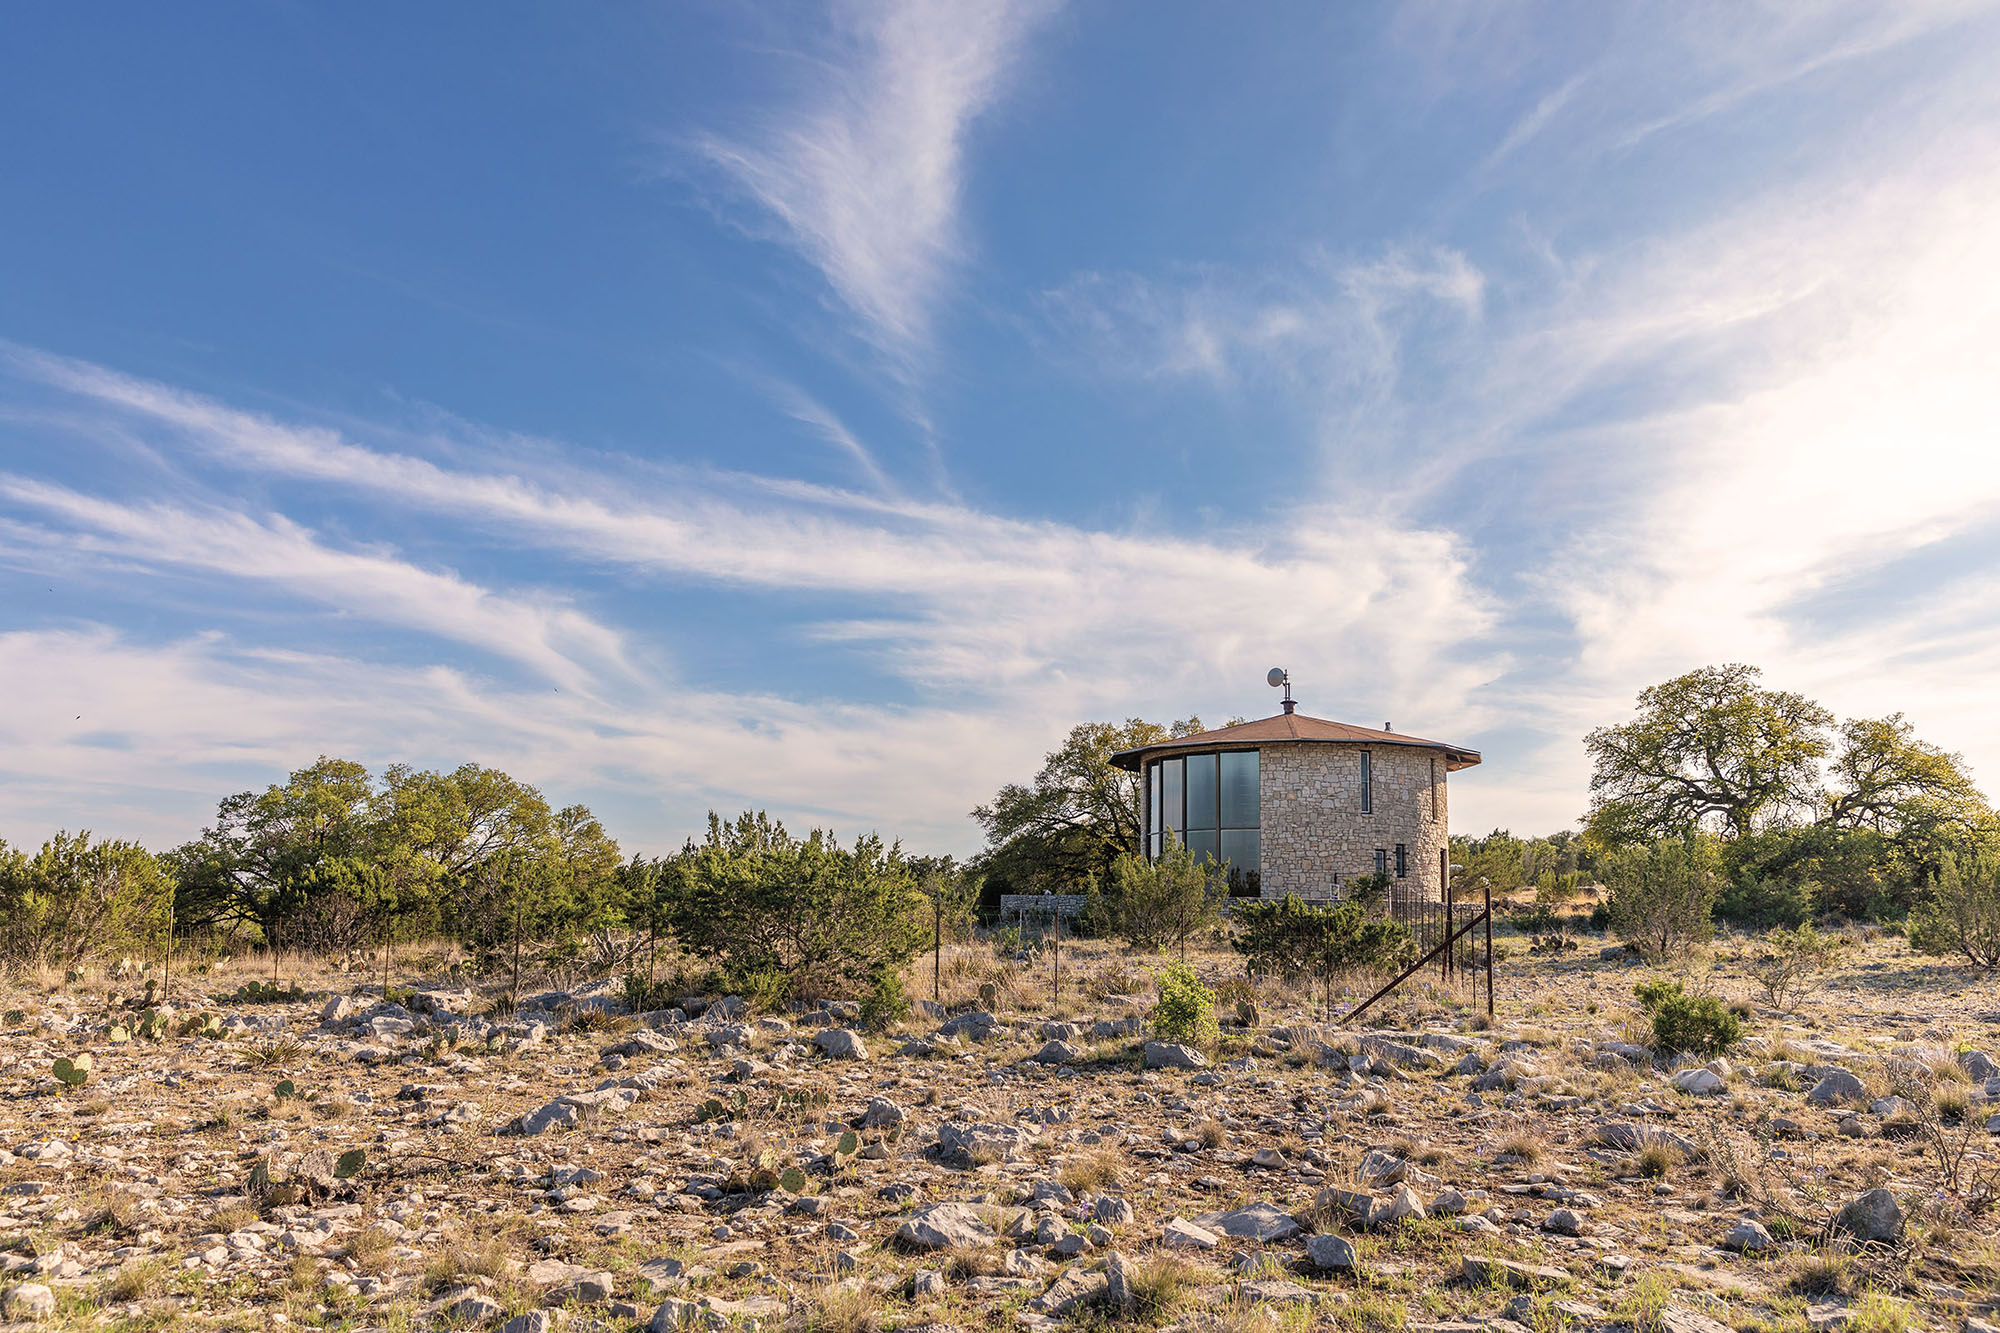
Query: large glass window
1153	810
1239	789
1201	794
1211	803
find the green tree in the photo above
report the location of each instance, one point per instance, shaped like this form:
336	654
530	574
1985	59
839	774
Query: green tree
1165	902
1661	895
1078	816
76	898
1962	913
1709	749
761	901
267	853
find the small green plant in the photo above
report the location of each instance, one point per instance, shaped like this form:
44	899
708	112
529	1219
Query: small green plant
16	1016
792	1180
1688	1024
278	1051
768	989
1186	1009
1643	1305
262	992
1793	961
350	1164
285	1089
885	1003
73	1071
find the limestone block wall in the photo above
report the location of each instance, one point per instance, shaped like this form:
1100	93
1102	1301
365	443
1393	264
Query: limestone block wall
1314	829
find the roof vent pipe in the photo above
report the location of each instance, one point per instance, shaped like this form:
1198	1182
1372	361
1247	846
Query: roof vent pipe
1387	727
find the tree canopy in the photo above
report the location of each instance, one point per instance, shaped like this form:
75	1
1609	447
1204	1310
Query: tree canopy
1079	815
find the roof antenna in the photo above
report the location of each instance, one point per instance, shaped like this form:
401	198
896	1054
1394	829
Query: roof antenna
1277	676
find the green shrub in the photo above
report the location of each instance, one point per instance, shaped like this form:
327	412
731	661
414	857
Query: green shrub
885	1002
1962	913
1762	901
1662	895
1165	902
768	989
1290	937
1792	961
1186	1011
1687	1024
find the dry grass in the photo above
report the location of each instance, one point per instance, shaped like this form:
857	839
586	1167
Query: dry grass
137	1281
1529	1148
849	1308
369	1248
233	1218
1161	1284
1094	1173
1656	1160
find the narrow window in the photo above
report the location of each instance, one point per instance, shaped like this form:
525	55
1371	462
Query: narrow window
1381	860
1444	869
1402	862
1434	789
1367	785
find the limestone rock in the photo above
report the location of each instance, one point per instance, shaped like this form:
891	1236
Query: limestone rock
1874	1216
1257	1221
1748	1237
1173	1055
944	1226
1180	1234
1329	1252
841	1044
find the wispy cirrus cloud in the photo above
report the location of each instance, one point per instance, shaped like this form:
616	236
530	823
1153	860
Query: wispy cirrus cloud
863	175
541	633
1004	631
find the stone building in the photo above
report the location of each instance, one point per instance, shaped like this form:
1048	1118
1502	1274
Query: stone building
1300	805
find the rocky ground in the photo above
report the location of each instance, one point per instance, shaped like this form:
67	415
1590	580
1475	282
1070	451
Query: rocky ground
349	1161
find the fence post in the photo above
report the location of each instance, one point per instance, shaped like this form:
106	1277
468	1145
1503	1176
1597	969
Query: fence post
1489	945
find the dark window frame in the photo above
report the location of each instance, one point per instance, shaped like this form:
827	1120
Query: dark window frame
1367	783
1381	860
1402	861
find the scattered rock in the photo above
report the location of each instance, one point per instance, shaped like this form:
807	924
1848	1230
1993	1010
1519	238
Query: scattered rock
1748	1237
841	1044
1874	1216
1257	1221
1329	1252
1180	1234
944	1226
1173	1055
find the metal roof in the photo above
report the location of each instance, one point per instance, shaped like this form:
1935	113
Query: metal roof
1290	728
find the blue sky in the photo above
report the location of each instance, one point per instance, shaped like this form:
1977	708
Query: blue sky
822	408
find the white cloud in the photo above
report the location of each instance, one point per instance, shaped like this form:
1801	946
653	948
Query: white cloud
863	176
1007	631
543	634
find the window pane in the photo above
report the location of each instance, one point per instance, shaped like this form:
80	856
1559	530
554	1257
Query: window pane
1367	785
1202	843
1240	849
1239	789
1153	846
1153	804
1200	791
1170	795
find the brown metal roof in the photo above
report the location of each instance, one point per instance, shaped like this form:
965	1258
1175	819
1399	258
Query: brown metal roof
1284	728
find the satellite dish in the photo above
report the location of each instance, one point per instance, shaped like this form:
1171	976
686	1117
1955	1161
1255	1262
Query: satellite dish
1275	677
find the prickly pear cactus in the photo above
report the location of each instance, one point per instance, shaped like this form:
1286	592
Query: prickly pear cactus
73	1071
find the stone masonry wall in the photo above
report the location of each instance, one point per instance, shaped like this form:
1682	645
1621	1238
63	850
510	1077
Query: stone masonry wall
1313	828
